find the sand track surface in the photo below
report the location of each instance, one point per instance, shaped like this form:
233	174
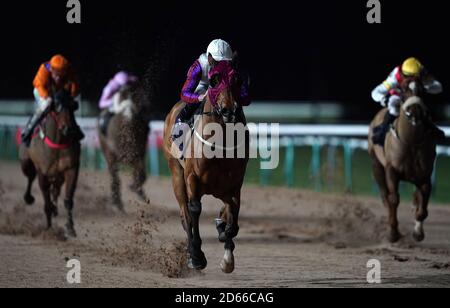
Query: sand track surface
288	238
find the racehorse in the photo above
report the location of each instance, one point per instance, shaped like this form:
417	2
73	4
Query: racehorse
54	157
409	154
124	141
196	175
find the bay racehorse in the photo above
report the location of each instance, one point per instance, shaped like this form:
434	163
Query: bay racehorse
54	157
409	155
124	141
196	175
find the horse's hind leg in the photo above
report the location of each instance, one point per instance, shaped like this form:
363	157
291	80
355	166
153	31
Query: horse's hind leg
71	179
421	199
29	170
228	229
139	178
113	167
49	207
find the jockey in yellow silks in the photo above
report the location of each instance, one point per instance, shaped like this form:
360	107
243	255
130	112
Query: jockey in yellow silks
389	95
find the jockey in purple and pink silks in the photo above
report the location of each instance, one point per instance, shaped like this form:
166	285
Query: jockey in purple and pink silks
110	99
195	88
114	86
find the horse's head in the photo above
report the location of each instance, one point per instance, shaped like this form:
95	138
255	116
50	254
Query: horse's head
411	86
62	112
415	111
222	89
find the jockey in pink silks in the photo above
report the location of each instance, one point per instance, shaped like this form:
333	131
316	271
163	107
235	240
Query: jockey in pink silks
111	98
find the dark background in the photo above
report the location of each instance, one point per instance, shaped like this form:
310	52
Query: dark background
294	50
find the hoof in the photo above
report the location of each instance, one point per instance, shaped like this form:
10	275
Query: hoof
419	233
198	263
118	210
117	207
69	232
29	199
227	264
226	267
394	237
419	236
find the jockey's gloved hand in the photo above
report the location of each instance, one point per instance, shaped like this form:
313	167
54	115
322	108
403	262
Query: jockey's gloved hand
202	97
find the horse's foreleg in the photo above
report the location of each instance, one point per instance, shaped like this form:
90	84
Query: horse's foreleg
421	199
29	170
71	179
380	177
197	257
179	188
49	207
113	167
228	229
392	181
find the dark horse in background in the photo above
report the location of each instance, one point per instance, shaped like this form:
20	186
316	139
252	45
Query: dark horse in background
409	155
54	156
192	178
124	140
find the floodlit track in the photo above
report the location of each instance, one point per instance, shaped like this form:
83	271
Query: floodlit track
288	238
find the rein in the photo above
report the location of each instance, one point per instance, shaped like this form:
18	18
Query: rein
52	145
216	112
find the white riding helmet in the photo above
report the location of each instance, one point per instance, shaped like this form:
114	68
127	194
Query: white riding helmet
220	50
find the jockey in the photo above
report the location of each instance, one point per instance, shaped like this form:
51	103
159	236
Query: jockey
51	77
195	88
110	99
388	94
120	82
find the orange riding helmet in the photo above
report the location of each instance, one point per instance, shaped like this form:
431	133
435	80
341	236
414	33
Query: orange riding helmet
59	64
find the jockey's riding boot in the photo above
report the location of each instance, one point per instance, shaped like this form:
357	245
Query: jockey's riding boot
182	120
78	134
187	113
29	128
105	118
379	132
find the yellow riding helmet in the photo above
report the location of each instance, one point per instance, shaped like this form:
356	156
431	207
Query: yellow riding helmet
411	67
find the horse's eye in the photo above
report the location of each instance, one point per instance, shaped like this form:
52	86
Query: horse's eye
214	81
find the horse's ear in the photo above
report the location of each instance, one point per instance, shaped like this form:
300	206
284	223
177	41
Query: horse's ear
235	60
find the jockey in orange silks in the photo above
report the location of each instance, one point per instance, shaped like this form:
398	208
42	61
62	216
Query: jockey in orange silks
51	77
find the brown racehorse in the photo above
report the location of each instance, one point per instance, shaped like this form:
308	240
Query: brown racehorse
55	159
192	178
409	155
125	143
